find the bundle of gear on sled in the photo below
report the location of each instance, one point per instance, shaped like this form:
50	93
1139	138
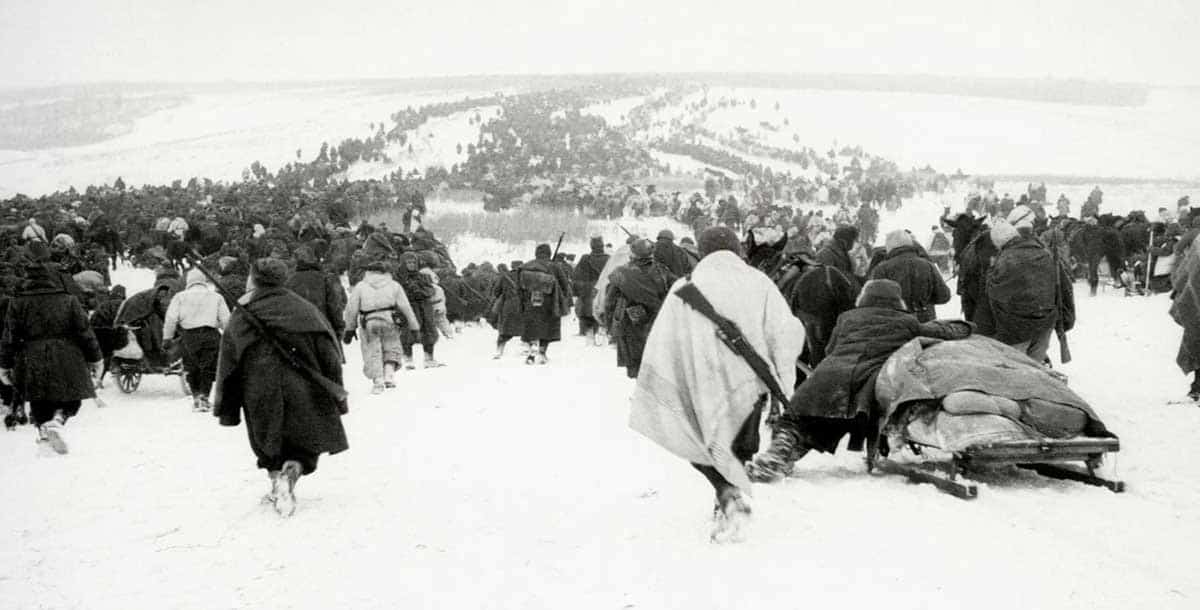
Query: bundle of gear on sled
969	404
961	400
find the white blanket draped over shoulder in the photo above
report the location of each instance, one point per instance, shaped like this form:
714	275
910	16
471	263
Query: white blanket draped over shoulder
694	393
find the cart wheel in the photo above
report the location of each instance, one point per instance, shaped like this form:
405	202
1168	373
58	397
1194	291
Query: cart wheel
128	381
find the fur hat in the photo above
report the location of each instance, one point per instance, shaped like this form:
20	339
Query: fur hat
196	276
666	234
1022	217
1003	232
897	239
269	272
641	248
881	293
38	251
718	238
542	251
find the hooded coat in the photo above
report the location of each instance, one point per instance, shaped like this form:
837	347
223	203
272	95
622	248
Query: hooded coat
693	393
47	341
280	404
921	283
1025	294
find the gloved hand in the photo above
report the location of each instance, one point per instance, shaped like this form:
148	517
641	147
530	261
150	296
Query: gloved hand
349	336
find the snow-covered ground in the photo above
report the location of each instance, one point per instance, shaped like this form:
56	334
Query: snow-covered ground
1156	140
213	136
490	484
494	485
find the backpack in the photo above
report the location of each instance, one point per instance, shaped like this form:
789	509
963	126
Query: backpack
538	284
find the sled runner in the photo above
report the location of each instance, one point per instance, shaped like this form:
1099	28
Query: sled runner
964	405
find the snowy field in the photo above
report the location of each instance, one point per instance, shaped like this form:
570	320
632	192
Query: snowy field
494	485
980	135
214	136
490	484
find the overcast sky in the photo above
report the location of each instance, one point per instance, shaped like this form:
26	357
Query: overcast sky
58	41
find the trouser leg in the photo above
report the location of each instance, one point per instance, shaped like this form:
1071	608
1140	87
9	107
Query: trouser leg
372	353
714	478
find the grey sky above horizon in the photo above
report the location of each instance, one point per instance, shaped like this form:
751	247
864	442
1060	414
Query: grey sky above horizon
48	42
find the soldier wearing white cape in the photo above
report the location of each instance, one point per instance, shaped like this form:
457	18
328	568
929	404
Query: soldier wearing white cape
694	395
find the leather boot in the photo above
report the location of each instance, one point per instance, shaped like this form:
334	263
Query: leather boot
777	462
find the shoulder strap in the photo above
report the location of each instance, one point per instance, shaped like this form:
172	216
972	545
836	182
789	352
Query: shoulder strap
732	337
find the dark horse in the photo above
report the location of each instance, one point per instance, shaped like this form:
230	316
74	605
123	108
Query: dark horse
1090	243
973	254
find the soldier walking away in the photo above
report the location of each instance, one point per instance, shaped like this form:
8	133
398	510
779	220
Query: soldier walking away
48	352
545	299
699	398
279	361
585	276
199	315
505	313
636	292
374	306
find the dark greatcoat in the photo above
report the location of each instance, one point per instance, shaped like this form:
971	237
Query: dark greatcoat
642	282
47	341
842	387
921	284
323	290
1020	296
280	404
505	314
544	322
587	273
673	257
420	291
817	294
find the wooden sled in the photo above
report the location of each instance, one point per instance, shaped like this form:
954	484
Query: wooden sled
1047	457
